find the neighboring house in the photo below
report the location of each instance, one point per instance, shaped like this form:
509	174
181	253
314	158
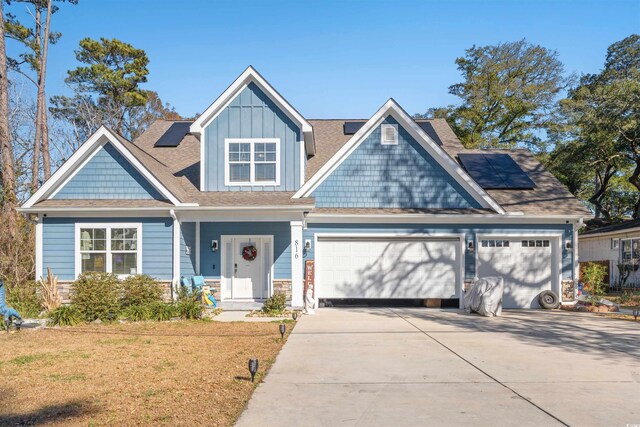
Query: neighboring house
388	207
612	245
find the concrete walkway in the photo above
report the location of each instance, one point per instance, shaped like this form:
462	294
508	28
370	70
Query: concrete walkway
419	367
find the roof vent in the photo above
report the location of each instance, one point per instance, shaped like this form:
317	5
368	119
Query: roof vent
389	135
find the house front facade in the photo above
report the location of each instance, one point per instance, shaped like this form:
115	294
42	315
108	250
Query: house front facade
258	199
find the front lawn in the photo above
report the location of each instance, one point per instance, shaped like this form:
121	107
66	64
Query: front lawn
170	373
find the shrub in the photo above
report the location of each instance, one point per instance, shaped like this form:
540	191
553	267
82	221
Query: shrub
95	295
65	315
140	290
162	311
25	299
136	312
593	277
188	306
275	304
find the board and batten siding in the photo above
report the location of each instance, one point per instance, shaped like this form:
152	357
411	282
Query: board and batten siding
58	239
108	175
469	231
252	114
281	231
391	176
188	238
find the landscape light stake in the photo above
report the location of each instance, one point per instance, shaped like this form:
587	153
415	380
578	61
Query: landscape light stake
636	313
294	315
253	368
283	329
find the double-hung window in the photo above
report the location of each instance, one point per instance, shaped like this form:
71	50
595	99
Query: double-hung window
109	248
252	161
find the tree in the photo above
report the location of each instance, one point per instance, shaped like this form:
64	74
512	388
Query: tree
9	201
508	95
110	81
36	39
84	116
604	112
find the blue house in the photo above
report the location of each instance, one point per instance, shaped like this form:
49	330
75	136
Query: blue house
258	199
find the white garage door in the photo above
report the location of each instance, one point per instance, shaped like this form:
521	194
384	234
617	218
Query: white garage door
386	268
526	264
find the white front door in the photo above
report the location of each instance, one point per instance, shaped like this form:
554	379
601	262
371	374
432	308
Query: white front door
246	278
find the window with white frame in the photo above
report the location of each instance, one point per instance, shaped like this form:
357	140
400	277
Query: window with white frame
630	251
252	161
109	248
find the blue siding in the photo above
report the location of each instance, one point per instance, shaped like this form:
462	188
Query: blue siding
59	239
470	232
252	114
188	238
391	176
281	232
108	175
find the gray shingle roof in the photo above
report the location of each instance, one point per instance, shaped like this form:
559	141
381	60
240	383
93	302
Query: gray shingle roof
179	169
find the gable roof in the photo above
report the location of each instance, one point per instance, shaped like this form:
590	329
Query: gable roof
149	167
391	108
248	76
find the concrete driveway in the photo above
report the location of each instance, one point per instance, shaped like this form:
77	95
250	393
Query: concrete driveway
419	367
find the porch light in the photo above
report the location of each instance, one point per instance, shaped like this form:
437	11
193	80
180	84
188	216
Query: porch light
283	329
470	245
253	368
568	245
214	245
307	244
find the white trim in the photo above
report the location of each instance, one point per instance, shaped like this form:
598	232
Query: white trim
226	280
312	218
177	231
39	248
558	237
393	109
107	226
198	247
417	236
303	162
297	264
95	142
75	171
621	233
203	157
383	129
252	162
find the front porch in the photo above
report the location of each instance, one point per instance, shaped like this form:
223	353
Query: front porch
244	263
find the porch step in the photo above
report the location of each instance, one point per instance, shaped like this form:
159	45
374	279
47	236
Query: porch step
240	305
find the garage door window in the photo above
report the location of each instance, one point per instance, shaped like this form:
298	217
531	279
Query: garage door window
495	243
535	243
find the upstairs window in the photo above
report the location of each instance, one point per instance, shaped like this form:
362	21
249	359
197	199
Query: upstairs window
252	161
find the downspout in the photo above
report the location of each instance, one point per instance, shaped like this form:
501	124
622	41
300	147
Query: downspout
175	255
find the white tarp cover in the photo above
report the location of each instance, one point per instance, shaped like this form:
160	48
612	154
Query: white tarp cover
485	296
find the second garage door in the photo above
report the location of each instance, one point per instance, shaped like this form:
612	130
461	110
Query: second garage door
387	268
526	264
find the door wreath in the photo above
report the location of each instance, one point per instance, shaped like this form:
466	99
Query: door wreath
249	253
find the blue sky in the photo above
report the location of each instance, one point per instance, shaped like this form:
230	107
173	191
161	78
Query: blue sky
338	59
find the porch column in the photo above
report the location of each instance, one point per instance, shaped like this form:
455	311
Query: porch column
39	248
297	266
197	247
176	254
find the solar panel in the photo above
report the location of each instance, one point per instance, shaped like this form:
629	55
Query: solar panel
352	127
495	171
427	127
173	135
509	171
